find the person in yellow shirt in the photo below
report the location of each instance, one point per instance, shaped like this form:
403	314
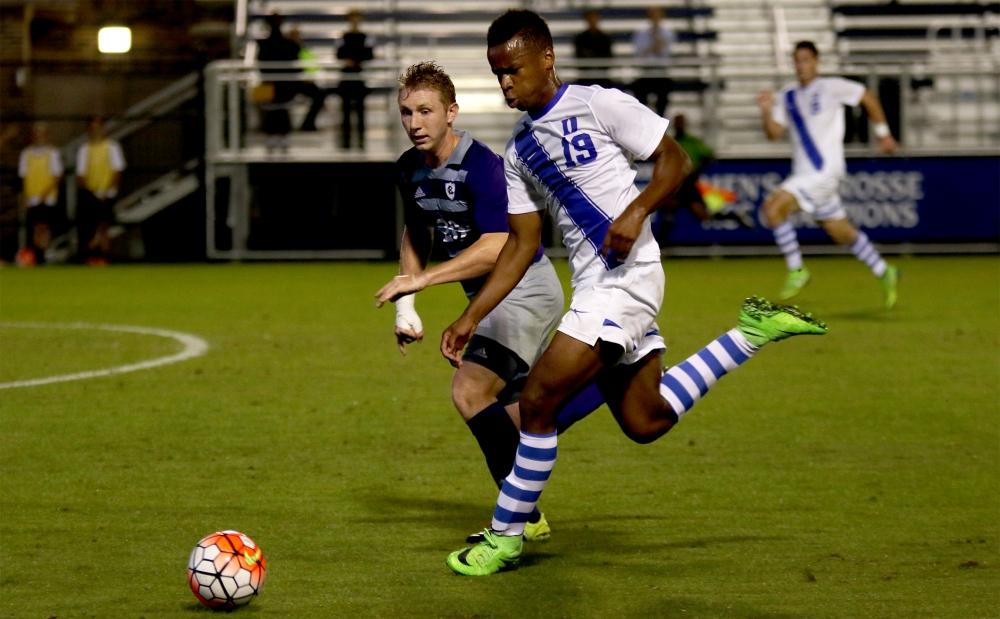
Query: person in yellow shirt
40	168
99	165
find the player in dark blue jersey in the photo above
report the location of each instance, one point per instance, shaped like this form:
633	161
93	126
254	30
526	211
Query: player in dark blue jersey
454	194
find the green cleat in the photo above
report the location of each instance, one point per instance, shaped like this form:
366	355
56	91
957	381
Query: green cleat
537	531
494	554
533	532
890	281
762	321
794	283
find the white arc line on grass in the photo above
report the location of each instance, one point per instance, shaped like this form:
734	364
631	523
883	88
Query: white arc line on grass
194	346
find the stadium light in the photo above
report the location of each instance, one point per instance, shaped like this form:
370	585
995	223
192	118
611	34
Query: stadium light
114	39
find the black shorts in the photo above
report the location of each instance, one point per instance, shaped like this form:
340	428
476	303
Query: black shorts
40	214
93	211
500	360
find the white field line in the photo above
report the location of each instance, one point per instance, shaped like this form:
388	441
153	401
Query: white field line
194	346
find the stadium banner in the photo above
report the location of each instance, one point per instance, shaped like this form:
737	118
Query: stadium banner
896	200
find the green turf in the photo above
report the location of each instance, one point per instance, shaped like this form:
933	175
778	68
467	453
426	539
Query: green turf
850	475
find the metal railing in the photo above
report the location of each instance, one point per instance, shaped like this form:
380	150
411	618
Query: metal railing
944	106
949	122
231	115
950	106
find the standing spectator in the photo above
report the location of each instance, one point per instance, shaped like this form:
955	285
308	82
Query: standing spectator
652	46
354	51
40	168
99	165
593	43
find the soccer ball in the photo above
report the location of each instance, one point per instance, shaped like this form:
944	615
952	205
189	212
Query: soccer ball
226	570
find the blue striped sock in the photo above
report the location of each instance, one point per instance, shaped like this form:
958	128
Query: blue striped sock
688	381
788	242
536	455
586	401
866	252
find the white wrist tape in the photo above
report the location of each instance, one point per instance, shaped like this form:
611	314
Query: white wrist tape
406	314
881	130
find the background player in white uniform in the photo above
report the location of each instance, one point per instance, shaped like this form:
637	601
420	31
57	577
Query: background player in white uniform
572	153
454	194
812	113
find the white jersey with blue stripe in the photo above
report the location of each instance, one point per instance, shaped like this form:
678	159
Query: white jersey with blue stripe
575	157
814	116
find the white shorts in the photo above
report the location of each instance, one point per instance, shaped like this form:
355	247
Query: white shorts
620	307
818	194
526	317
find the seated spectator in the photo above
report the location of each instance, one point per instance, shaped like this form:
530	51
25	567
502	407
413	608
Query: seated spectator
316	94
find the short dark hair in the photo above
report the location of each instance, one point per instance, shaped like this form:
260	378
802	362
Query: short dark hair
522	23
431	76
809	45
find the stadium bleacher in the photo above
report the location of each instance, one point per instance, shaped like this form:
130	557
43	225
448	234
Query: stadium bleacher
915	28
915	36
462	32
727	51
453	33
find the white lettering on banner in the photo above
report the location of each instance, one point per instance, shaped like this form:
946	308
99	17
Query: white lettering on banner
883	186
883	199
883	214
871	199
747	187
750	190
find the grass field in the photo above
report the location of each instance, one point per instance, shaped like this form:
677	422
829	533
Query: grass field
852	475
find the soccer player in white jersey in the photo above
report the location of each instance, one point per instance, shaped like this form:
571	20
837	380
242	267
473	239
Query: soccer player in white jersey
454	195
811	113
571	153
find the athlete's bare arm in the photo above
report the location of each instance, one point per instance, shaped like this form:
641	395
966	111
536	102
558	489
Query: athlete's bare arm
475	261
876	116
773	130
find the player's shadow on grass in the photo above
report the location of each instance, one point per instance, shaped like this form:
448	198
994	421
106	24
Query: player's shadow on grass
645	539
659	538
870	314
383	508
195	607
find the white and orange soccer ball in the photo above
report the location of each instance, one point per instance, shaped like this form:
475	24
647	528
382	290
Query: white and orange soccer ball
226	570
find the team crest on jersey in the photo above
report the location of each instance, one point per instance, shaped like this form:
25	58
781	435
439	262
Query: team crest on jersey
449	189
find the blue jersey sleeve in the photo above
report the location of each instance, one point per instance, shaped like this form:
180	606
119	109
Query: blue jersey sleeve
489	191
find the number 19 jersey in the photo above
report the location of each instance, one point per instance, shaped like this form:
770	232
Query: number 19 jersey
575	157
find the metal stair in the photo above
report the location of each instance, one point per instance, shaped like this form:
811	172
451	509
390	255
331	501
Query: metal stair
170	188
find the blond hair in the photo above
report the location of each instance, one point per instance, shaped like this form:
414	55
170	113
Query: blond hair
428	76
